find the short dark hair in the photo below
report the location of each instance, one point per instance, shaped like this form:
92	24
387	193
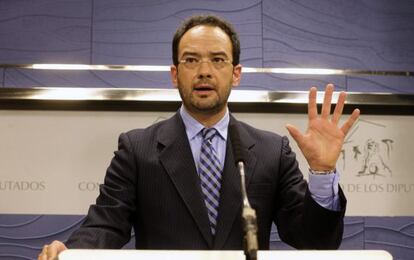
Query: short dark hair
210	20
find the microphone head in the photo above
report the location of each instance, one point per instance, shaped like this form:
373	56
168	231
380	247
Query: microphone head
238	151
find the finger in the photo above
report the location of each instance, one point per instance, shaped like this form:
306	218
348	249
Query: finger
327	100
351	120
339	107
55	248
312	109
295	133
43	254
52	252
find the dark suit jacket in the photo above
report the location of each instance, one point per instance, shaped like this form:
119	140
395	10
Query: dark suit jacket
152	185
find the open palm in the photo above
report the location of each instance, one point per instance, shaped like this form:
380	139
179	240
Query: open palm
323	140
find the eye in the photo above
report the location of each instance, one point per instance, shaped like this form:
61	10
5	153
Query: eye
217	60
191	60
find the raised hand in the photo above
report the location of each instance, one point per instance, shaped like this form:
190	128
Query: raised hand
323	140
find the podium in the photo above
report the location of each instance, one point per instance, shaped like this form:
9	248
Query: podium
93	254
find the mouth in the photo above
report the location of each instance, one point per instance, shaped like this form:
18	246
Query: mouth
204	89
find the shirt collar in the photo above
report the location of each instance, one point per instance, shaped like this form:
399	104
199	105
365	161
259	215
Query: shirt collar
193	127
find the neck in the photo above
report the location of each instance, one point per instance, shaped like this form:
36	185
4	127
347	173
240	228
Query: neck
208	119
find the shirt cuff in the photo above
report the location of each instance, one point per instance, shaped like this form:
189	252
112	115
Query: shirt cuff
324	190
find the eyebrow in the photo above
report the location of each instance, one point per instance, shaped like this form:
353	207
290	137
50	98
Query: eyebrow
212	53
189	53
216	53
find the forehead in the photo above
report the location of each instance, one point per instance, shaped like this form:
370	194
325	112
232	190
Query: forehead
205	39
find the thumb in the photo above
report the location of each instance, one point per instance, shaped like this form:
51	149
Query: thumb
295	133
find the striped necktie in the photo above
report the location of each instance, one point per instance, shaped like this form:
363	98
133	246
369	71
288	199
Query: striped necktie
210	176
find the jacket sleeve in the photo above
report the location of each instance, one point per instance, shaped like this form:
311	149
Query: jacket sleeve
302	222
109	221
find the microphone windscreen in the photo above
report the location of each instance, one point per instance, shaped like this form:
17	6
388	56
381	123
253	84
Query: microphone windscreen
238	151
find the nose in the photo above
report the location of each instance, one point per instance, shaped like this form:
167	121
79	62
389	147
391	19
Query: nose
204	70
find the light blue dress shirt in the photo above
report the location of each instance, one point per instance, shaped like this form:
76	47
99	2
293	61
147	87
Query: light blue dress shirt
323	188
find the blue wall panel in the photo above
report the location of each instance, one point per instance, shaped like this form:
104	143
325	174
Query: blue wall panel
371	34
45	31
22	236
23	78
353	237
395	235
288	82
1	77
387	84
359	35
326	34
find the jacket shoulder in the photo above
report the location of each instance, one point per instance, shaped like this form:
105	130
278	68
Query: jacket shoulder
147	132
261	134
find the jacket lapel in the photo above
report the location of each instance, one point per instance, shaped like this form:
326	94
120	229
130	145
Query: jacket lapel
230	195
177	159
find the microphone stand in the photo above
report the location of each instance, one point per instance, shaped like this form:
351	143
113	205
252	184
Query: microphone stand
250	243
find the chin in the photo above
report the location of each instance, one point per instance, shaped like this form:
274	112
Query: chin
209	109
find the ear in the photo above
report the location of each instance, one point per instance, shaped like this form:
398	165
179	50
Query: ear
173	73
237	75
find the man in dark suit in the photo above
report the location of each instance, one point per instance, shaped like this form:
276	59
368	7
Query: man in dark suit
179	189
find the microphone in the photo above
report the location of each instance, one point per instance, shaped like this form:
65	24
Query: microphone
250	243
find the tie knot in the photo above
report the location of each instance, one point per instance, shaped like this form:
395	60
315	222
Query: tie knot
208	133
